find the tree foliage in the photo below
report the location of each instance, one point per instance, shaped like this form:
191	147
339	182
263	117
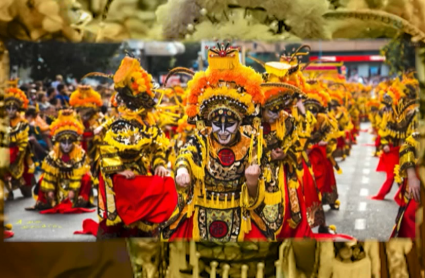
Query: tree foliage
48	59
399	54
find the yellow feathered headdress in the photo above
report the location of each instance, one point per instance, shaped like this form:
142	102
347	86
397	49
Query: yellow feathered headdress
15	95
133	84
85	96
226	84
66	125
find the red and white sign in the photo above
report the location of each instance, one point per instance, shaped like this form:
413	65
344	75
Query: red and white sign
358	58
173	80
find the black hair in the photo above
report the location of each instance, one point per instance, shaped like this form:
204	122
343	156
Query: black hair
50	91
104	109
60	87
31	112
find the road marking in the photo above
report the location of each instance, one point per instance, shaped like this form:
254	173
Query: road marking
360	224
365	180
364	192
366	171
362	206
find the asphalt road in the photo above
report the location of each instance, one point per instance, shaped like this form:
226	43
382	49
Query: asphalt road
358	216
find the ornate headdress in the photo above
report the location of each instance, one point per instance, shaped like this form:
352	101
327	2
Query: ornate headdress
85	96
15	95
411	84
373	104
338	94
396	91
66	126
318	97
226	87
133	84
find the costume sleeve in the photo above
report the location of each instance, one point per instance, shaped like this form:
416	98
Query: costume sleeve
408	156
191	157
383	130
161	144
50	174
22	138
81	168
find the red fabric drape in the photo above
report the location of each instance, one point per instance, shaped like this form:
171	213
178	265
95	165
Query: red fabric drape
323	170
148	198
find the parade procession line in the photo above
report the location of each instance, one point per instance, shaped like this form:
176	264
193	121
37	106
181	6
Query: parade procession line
358	216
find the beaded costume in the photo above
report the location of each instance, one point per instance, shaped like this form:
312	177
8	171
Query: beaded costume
87	102
399	121
322	142
21	169
132	149
66	170
216	205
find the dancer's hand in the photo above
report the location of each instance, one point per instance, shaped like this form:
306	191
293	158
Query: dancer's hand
182	177
323	143
277	154
161	171
386	149
51	195
71	194
252	173
414	184
128	174
98	130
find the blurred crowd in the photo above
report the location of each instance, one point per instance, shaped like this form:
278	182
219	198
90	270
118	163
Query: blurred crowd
46	99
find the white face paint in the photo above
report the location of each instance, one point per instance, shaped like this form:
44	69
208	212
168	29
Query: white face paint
66	146
86	114
225	131
270	116
11	111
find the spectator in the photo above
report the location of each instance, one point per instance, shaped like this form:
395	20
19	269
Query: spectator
37	137
43	101
32	96
63	95
55	84
51	93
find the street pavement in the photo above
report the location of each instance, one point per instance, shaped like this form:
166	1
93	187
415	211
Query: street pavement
358	215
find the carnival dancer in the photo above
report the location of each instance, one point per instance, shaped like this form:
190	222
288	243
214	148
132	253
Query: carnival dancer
134	193
304	122
406	176
21	169
87	103
385	102
322	143
338	111
279	130
218	172
4	163
408	194
398	123
171	110
354	112
66	180
287	71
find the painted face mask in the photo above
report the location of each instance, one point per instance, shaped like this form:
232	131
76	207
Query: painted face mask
270	116
225	129
86	114
11	111
66	145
